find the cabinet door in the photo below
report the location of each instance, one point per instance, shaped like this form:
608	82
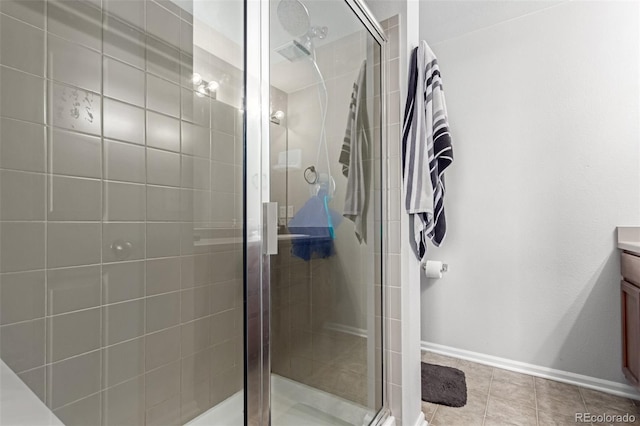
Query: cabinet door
631	332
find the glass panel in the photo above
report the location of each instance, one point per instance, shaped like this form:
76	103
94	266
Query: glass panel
325	176
121	208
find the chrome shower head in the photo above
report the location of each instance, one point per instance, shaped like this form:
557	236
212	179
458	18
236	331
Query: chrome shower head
294	17
293	51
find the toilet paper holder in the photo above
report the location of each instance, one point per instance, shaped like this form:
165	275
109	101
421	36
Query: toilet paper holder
443	268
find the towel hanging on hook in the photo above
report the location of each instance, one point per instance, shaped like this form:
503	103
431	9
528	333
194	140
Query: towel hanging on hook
426	149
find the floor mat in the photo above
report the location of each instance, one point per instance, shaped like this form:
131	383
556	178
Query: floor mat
443	385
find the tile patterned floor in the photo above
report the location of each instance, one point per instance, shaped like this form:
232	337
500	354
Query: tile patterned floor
501	397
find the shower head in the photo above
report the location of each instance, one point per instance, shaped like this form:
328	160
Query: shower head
293	51
294	17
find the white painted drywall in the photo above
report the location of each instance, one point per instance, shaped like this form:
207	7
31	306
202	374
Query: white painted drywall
544	113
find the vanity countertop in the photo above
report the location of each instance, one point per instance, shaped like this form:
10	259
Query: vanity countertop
629	238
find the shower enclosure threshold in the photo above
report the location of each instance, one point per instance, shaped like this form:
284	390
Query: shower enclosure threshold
292	404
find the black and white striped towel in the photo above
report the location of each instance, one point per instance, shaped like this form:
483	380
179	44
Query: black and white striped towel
426	149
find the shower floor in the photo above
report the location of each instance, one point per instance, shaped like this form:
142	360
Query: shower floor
292	404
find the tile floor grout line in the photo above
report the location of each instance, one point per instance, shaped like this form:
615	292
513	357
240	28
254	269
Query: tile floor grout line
584	401
535	400
486	406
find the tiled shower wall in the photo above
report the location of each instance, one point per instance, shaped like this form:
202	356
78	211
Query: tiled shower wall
117	304
393	287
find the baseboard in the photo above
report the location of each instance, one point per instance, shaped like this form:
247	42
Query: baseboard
601	385
422	421
334	326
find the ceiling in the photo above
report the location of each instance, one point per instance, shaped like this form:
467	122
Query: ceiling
442	20
226	17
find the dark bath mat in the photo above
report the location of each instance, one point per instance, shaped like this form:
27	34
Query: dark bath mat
443	385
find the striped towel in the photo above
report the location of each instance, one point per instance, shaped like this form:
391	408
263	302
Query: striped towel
426	142
354	152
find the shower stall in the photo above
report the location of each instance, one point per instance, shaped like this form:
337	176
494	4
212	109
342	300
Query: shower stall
192	211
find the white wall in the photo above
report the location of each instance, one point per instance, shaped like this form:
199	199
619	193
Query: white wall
544	114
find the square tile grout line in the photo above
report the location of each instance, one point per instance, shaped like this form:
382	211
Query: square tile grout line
486	406
535	400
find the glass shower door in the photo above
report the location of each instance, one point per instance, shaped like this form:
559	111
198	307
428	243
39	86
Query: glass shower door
324	168
121	208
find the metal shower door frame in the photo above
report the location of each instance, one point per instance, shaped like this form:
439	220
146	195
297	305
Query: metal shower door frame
257	386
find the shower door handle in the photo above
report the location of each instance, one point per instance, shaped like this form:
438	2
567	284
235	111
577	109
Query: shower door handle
270	227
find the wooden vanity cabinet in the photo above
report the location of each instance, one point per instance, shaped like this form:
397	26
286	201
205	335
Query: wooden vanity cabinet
630	297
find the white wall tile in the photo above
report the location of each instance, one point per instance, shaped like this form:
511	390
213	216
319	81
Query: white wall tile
196	140
23	195
75	154
223	147
22	246
74	64
132	12
163	239
75	20
196	172
163	60
17	92
123	121
164	203
22	345
124	162
71	244
122	281
163	96
123	361
163	24
123	321
124	42
32	12
21	46
223	176
223	117
162	347
74	199
73	334
162	311
122	81
124	202
163	132
195	108
163	275
22	145
162	383
222	207
74	378
71	289
163	168
22	296
84	411
124	404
